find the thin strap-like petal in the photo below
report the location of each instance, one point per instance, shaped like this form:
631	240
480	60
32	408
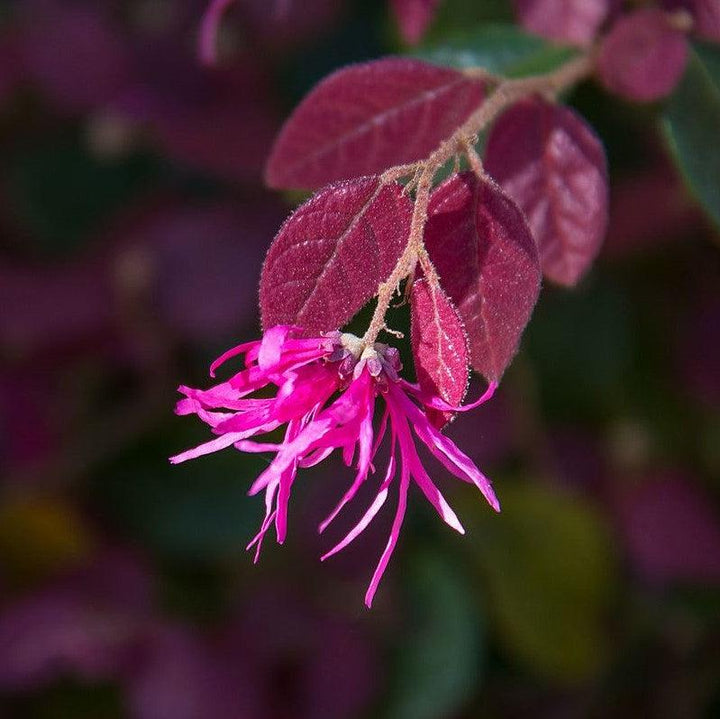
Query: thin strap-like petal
443	448
392	540
421	477
213	445
440	404
234	352
374	508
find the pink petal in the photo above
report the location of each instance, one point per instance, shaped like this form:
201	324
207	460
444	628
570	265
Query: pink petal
392	540
225	356
374	508
208	447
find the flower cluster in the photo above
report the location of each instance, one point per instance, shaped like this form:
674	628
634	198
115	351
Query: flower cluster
327	389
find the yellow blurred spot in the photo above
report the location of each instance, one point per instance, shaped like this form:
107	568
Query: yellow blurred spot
40	536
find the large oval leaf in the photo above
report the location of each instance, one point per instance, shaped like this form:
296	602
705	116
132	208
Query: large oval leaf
488	264
366	118
439	346
552	164
691	121
331	254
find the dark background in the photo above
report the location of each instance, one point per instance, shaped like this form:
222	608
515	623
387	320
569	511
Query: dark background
133	223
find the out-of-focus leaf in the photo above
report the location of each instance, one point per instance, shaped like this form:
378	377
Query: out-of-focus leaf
329	257
365	118
551	578
643	57
501	49
439	665
439	343
671	531
198	510
563	340
61	194
575	21
76	55
707	19
85	624
548	159
413	17
487	261
41	535
691	121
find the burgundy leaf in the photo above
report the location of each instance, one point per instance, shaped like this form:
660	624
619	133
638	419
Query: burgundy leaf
413	17
488	263
552	164
332	252
366	118
643	57
439	345
573	21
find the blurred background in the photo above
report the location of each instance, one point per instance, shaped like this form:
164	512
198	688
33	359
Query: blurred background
133	224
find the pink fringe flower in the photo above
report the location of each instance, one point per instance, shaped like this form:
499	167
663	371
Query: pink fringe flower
326	392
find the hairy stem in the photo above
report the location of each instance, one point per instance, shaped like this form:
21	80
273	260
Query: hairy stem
462	140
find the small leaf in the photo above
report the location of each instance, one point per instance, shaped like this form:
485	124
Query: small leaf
439	344
413	17
552	164
331	254
365	118
575	21
501	49
691	121
643	57
488	264
440	661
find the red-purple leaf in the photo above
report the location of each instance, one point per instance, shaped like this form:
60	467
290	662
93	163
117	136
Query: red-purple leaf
488	263
440	347
329	257
413	17
642	58
366	118
552	164
573	21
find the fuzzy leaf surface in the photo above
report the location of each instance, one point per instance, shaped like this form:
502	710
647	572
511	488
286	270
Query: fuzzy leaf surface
552	164
328	258
365	118
439	345
642	58
488	263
